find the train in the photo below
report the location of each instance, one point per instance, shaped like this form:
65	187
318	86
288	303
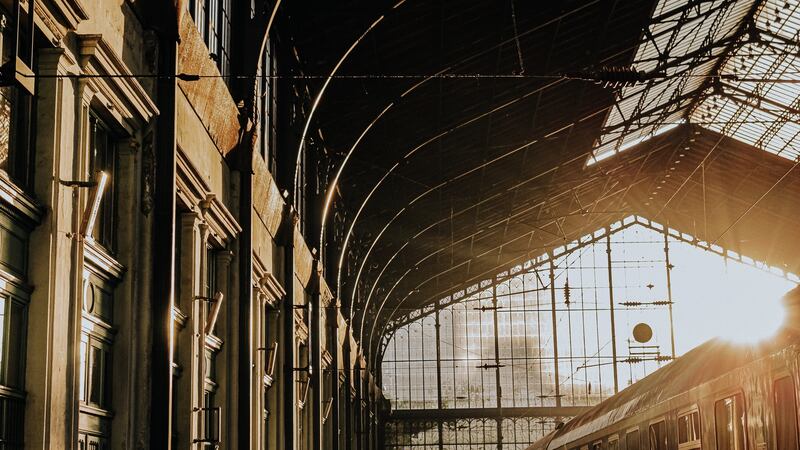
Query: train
718	396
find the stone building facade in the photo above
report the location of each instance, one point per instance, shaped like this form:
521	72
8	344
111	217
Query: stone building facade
156	287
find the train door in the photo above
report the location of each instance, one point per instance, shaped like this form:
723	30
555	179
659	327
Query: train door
785	406
729	422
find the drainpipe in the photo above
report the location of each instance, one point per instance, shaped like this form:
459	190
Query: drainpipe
315	365
348	401
247	311
163	289
287	313
334	418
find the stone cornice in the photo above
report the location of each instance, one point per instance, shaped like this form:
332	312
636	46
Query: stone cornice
17	204
193	191
125	94
97	257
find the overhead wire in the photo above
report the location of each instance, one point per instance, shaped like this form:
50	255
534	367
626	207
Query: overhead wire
751	78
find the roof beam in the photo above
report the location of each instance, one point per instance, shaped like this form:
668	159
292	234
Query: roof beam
480	413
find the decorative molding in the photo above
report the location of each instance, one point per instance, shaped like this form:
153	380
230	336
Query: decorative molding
221	219
49	25
179	317
194	192
213	343
301	330
271	289
148	183
12	284
72	11
125	94
327	359
99	259
17	204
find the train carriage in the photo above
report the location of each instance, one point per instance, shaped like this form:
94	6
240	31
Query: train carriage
720	395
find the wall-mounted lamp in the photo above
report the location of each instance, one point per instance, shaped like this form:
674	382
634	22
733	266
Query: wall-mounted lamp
98	188
216	304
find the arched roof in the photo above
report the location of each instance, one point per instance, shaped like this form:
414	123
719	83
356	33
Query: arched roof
464	149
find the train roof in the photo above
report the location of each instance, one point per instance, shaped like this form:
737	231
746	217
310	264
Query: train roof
698	366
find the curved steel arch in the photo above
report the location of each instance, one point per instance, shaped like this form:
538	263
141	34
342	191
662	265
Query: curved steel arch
552	220
410	154
449	182
321	93
593	205
332	187
402	301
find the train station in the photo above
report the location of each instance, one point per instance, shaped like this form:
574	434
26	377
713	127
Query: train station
399	225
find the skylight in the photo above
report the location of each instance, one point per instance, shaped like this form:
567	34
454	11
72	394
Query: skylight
758	96
683	43
755	99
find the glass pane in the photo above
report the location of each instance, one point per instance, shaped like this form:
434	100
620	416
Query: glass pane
16	350
103	158
683	429
95	375
729	418
3	319
6	106
695	434
658	436
83	368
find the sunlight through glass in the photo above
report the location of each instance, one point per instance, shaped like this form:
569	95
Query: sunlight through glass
731	301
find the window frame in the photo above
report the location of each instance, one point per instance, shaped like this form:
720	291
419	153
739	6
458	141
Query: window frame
729	394
693	444
613	438
214	22
11	300
266	104
104	233
638	432
22	109
659	420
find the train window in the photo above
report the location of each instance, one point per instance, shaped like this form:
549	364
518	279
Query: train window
632	440
786	413
689	431
658	436
729	418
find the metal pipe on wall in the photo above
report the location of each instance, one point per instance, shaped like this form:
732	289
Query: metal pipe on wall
315	365
334	346
163	290
289	340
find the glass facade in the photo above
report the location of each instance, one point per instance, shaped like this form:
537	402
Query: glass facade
558	332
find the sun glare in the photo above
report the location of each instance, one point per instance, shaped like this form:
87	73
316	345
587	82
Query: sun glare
733	301
750	319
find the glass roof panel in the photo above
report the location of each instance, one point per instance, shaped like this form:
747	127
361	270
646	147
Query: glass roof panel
756	99
682	46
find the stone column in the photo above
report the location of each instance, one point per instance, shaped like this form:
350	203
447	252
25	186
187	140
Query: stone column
51	410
